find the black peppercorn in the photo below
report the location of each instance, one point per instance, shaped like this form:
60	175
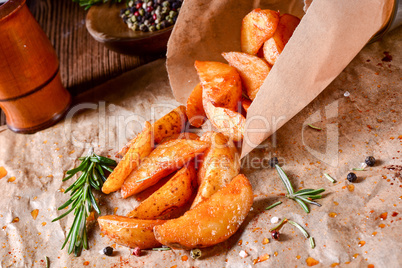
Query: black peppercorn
108	251
273	161
352	177
370	161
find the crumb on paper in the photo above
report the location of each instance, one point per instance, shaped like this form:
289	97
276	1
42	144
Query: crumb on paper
274	220
346	94
243	254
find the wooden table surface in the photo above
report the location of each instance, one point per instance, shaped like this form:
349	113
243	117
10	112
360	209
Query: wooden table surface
84	63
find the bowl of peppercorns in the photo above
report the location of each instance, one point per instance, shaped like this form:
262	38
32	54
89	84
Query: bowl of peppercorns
141	27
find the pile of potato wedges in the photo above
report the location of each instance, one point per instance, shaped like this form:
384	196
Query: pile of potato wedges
199	205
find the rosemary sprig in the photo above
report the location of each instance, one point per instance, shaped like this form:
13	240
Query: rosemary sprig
82	199
88	3
312	243
161	249
303	196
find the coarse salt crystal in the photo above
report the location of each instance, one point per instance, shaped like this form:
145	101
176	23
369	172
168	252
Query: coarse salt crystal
243	254
346	94
274	220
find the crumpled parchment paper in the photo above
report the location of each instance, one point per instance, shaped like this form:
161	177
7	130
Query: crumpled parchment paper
365	123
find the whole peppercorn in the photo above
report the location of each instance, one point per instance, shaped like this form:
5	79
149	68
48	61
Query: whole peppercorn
275	235
273	161
352	177
108	251
370	161
137	252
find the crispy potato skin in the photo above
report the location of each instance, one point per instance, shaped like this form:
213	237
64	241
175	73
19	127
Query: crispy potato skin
229	123
141	148
169	198
252	70
221	163
245	103
273	47
172	123
194	109
257	27
181	136
221	84
130	232
162	161
210	222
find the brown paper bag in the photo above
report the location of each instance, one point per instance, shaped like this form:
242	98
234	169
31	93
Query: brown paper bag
328	37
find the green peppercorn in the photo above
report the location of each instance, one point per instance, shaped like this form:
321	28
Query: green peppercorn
152	28
127	12
166	4
158	26
170	21
131	3
172	13
141	11
133	18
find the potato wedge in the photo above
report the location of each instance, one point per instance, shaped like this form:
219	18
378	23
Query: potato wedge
172	123
245	103
141	148
181	136
194	109
220	83
212	221
221	163
169	198
162	161
130	232
230	123
252	70
273	46
257	27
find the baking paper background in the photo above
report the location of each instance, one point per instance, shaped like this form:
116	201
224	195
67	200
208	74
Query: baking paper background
367	123
326	40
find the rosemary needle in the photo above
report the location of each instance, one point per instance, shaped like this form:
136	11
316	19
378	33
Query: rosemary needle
329	178
82	199
312	243
318	128
273	205
300	228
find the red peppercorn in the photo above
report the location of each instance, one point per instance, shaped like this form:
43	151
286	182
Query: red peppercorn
154	17
149	9
139	5
137	252
136	13
275	235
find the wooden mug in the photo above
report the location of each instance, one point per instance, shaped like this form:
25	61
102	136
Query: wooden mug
31	93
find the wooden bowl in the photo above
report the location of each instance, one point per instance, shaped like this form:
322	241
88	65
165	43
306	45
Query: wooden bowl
106	26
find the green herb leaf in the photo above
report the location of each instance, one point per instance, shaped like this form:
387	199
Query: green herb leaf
310	125
359	169
312	243
329	178
303	205
161	249
273	205
300	228
308	201
82	200
285	179
310	192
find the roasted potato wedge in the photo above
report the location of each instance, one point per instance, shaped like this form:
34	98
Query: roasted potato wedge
220	83
252	70
194	109
245	103
221	163
162	161
141	148
210	222
273	46
171	123
230	123
130	232
181	136
257	27
169	198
